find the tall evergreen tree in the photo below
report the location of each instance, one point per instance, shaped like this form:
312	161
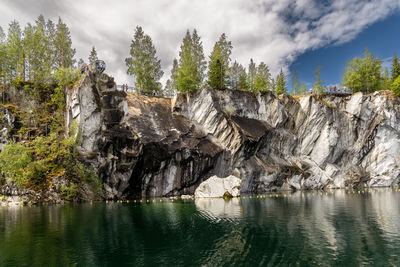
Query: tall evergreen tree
262	80
174	75
14	51
251	76
318	84
217	77
237	74
41	58
64	53
386	80
280	84
81	62
192	64
273	86
226	51
303	89
3	57
144	64
295	83
93	56
395	67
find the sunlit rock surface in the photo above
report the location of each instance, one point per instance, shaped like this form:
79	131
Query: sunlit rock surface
219	187
149	146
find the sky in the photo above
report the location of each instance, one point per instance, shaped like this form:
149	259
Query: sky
292	35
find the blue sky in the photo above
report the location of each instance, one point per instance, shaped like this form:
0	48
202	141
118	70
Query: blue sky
382	39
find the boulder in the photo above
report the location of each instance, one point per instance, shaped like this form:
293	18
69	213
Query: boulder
219	187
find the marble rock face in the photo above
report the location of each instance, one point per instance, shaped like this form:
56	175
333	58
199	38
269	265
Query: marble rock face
219	187
144	146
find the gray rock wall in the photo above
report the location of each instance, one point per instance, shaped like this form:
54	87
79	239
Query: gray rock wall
148	146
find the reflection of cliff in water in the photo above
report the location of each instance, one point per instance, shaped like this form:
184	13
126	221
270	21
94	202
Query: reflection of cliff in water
306	228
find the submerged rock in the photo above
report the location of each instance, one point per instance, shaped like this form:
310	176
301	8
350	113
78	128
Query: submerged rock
219	187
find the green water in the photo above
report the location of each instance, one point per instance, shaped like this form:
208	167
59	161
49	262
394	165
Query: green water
303	229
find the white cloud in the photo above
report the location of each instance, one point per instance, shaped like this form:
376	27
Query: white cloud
275	32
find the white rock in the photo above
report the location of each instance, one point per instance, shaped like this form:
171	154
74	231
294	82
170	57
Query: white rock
217	187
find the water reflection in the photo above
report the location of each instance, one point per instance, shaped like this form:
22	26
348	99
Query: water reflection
304	228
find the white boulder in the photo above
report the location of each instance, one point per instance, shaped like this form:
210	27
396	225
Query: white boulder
217	187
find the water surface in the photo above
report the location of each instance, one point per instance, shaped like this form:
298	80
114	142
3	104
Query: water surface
300	229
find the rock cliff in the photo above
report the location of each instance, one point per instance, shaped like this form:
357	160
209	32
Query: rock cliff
149	146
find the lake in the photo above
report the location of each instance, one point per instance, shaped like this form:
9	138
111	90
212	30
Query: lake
310	228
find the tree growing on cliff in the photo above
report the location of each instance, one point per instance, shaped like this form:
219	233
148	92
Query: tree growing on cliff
395	67
280	84
318	84
251	77
363	74
217	77
218	66
190	70
64	53
93	56
143	63
262	81
237	74
295	83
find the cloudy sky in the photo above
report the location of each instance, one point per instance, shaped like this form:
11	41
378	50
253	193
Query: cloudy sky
287	34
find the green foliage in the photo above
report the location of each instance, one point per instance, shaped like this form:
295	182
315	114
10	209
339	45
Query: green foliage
395	67
386	80
93	56
303	89
318	84
217	77
218	66
37	163
190	71
13	160
262	78
295	84
251	77
144	64
280	84
69	192
395	87
238	76
363	74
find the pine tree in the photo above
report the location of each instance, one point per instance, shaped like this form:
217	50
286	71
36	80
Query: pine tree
93	56
251	77
41	58
190	71
14	49
81	62
280	84
318	84
273	86
3	56
226	50
262	79
64	53
216	70
174	75
144	64
303	88
237	74
395	67
295	84
386	80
